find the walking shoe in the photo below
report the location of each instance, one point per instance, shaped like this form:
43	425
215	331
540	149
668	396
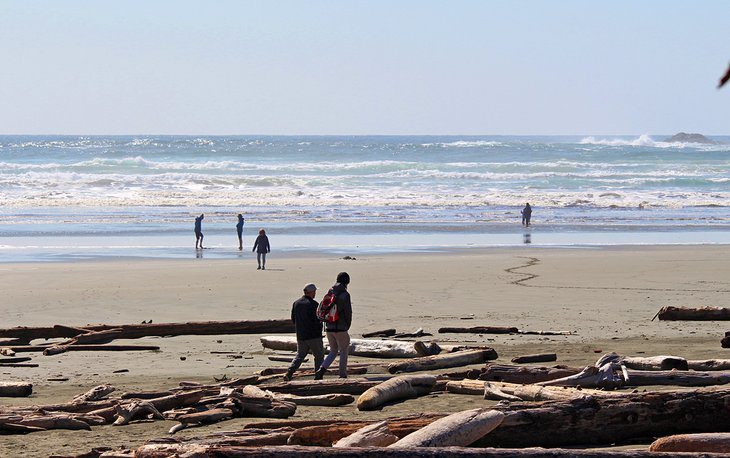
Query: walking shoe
319	374
258	268
288	376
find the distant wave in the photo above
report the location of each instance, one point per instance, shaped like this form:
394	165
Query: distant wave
465	144
647	141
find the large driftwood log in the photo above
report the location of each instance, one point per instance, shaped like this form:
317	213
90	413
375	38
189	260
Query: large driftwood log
702	442
458	429
321	387
136	331
620	419
676	378
708	364
15	389
655	363
326	433
525	374
327	400
670	313
513	392
459	358
481	330
375	435
218	451
358	347
397	388
352	369
384	333
540	358
95	394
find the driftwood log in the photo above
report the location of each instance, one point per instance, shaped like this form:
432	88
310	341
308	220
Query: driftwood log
540	358
480	330
441	361
167	450
458	429
395	389
635	416
525	374
136	331
321	387
384	333
702	442
375	435
655	363
358	347
670	313
15	389
44	348
709	364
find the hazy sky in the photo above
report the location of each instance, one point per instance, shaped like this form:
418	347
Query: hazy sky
375	67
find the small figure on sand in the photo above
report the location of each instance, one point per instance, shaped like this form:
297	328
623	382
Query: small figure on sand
239	230
199	231
526	214
337	331
261	247
309	330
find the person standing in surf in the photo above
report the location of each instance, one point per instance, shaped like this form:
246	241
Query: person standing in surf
239	230
526	214
199	231
261	247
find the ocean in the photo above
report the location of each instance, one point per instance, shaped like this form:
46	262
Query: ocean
81	197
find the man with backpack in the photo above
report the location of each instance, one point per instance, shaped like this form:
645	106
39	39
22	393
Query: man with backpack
337	325
309	330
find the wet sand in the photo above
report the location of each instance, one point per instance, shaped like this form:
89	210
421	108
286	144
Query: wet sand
606	296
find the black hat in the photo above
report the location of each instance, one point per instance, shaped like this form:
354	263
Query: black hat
344	278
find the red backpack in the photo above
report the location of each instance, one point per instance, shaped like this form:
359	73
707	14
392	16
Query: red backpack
327	308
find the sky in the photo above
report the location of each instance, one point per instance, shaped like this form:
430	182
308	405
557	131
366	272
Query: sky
363	67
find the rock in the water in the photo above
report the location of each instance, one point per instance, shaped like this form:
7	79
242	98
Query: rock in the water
684	137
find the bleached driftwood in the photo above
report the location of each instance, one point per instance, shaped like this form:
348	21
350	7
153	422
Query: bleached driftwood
708	364
95	394
321	387
397	388
655	363
701	442
128	412
441	361
327	400
458	429
375	435
358	347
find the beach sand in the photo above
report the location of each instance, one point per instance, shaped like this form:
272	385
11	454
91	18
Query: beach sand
607	296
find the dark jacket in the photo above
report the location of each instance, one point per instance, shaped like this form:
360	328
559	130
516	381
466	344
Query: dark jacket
262	244
304	316
344	310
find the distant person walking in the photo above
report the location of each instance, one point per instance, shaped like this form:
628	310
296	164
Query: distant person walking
239	230
337	331
199	231
261	247
309	330
526	214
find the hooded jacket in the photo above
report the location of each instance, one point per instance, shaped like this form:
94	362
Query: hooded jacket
344	310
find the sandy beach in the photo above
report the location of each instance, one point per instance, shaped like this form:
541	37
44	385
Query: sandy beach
606	296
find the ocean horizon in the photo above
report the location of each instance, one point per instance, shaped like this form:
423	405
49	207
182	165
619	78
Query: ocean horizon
71	197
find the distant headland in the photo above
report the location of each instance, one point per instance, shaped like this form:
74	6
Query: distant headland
684	137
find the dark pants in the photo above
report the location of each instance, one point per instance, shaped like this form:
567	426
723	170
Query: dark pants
303	348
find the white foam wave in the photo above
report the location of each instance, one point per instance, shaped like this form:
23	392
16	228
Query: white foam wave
646	141
465	144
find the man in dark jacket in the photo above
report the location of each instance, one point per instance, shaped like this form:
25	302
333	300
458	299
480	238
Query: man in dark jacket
337	332
309	330
526	214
